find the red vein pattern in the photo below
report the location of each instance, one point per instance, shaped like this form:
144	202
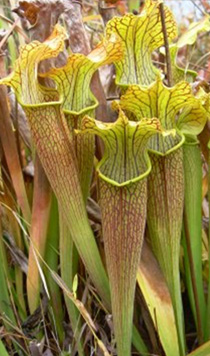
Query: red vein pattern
122	190
141	35
23	78
126	143
164	218
56	151
123	221
166	103
72	80
55	147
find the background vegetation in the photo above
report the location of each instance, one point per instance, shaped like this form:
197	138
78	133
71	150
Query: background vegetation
49	304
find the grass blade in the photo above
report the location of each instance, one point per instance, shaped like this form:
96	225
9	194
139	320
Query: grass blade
11	154
3	351
69	267
158	300
38	235
203	350
5	302
52	260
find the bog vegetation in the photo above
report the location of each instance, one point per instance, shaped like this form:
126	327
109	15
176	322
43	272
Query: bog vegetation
104	179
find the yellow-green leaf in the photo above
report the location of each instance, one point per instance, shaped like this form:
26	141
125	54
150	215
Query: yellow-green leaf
192	119
75	285
166	104
190	36
55	148
178	73
125	158
24	77
205	100
157	298
73	80
73	85
141	35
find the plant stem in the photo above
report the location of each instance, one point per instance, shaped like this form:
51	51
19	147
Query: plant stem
123	232
166	43
193	211
166	186
208	299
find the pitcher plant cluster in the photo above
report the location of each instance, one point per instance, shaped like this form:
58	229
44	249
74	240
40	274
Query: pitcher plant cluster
149	176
